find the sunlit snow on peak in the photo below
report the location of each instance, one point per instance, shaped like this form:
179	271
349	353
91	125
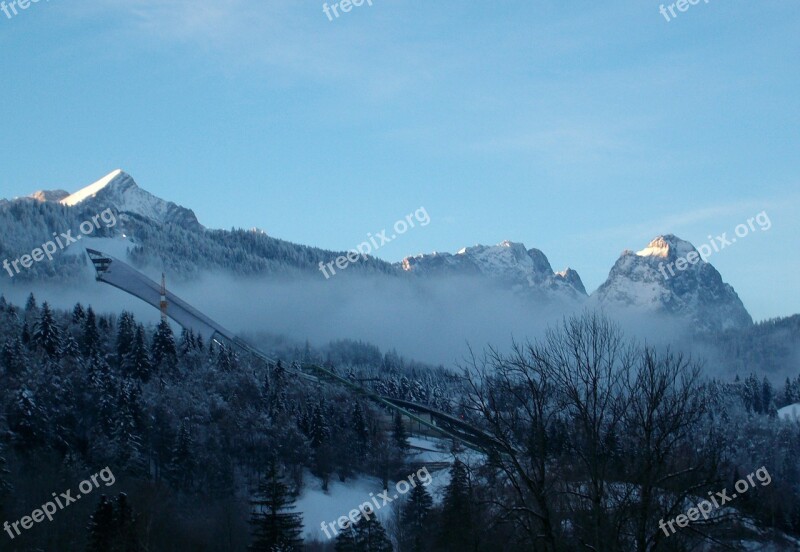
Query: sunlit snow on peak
91	190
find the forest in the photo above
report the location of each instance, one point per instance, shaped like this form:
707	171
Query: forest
599	439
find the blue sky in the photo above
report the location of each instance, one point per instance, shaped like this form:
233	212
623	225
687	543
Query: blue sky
581	130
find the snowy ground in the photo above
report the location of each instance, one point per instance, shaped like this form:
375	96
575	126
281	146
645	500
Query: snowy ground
319	506
791	412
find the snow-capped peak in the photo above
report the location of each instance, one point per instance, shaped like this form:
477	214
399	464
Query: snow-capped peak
653	279
119	190
508	262
92	189
663	246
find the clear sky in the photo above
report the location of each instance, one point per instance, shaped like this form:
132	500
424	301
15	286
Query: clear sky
580	129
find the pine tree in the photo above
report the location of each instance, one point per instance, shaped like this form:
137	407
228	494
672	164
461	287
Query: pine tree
125	336
112	526
136	363
164	352
456	524
127	429
789	396
27	420
361	430
273	520
181	468
78	314
399	433
415	516
101	527
13	357
46	335
767	394
30	304
370	536
124	526
346	541
90	340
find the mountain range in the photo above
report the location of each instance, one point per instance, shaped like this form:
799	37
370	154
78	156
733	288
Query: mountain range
154	231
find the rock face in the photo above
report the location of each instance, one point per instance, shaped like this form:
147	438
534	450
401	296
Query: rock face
50	195
506	263
118	190
650	279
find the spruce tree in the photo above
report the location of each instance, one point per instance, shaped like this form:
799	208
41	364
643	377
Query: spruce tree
78	314
124	524
164	352
415	516
101	527
136	362
346	541
361	431
112	526
125	336
399	433
13	357
181	469
370	536
30	304
456	523
47	335
275	524
90	340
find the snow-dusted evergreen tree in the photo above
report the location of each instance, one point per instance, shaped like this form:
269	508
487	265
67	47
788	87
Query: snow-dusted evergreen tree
126	333
416	512
182	464
164	352
399	433
136	361
275	524
370	536
361	431
90	339
78	314
456	526
101	527
46	334
13	357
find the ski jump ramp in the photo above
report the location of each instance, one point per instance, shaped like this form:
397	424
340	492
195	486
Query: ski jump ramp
122	276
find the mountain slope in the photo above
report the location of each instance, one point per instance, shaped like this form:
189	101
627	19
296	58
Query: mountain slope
507	263
650	280
118	190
